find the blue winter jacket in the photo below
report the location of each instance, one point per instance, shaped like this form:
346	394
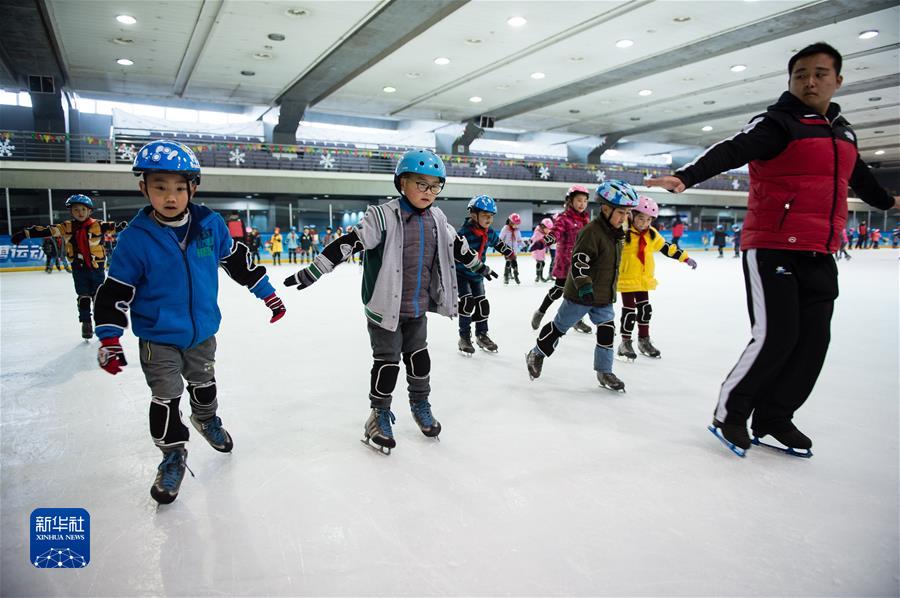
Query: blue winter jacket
174	291
479	243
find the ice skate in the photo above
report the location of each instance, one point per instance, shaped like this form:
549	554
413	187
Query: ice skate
485	342
610	382
421	412
580	326
796	443
87	330
734	436
212	430
378	433
647	348
465	346
625	351
515	274
535	362
169	475
536	319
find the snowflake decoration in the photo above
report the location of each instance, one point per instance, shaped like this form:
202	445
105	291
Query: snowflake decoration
480	168
326	161
237	156
735	184
6	148
127	152
600	176
647	175
544	172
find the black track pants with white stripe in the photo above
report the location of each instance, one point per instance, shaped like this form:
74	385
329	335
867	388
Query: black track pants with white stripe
790	297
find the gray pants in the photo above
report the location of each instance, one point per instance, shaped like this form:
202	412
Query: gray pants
408	342
165	368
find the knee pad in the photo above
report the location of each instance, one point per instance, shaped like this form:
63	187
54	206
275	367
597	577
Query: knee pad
629	317
166	427
548	338
418	363
384	379
644	312
84	302
606	332
555	292
482	309
466	305
203	398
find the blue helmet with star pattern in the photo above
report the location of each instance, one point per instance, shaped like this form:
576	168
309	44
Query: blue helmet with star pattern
617	194
482	203
167	156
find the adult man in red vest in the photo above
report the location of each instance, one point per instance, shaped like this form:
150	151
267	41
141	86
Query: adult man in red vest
802	156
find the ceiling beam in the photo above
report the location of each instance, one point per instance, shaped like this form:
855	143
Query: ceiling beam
207	19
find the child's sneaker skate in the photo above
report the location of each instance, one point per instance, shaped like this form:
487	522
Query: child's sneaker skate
169	475
647	348
580	326
421	412
610	381
536	319
625	352
485	342
465	345
535	362
87	330
378	431
212	430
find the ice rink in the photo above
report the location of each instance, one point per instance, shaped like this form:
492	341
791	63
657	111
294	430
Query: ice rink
552	487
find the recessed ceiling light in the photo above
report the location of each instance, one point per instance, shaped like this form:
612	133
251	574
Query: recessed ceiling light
262	55
688	79
709	102
878	132
875	99
503	86
538	75
737	68
296	12
276	37
122	41
413	75
388	89
441	61
707	128
624	43
124	61
645	92
516	21
681	19
126	19
860	68
473	41
576	58
475	99
248	73
879	152
576	111
635	118
868	34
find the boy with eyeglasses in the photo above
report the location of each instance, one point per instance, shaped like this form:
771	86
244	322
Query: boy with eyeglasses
408	270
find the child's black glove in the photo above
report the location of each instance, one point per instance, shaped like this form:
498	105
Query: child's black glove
485	271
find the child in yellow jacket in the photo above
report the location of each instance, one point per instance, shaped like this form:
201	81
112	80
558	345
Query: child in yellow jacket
636	277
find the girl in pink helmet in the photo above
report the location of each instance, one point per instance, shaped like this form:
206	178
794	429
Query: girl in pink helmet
636	279
511	235
539	248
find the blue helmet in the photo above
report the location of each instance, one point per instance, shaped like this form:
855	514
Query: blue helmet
78	198
483	203
167	156
617	194
420	162
735	227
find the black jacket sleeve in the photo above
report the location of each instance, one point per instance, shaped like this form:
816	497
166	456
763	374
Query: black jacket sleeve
868	189
761	139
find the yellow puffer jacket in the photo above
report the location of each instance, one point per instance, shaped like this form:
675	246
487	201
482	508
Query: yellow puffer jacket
276	243
635	276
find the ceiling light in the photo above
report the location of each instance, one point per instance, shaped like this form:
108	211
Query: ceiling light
538	75
709	102
473	41
868	34
576	58
575	111
879	152
738	68
681	19
516	21
441	61
860	68
875	99
388	89
503	86
126	19
276	37
262	55
635	118
122	41
296	12
645	92
475	99
413	75
707	128
248	73
125	61
624	43
878	132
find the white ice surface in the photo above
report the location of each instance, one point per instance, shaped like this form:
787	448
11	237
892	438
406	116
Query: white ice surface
551	487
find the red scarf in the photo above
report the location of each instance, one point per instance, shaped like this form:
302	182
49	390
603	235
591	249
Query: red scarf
81	241
482	233
642	244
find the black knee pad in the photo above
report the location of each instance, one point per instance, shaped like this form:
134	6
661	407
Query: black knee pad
644	312
606	332
418	363
166	427
203	399
629	316
482	309
84	303
466	305
548	338
555	292
384	379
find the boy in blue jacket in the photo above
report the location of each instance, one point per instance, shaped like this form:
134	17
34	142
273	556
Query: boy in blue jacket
165	271
473	304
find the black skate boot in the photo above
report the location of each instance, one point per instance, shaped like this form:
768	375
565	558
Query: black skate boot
625	351
515	272
169	475
212	430
465	345
734	436
795	442
535	363
485	342
378	431
610	381
87	330
421	412
536	319
580	326
647	348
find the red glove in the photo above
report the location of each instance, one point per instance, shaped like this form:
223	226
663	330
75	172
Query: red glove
277	307
110	355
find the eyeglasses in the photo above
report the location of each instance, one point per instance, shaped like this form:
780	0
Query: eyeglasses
426	188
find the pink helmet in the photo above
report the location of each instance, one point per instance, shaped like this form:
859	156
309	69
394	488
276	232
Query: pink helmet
515	219
647	206
547	223
576	189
